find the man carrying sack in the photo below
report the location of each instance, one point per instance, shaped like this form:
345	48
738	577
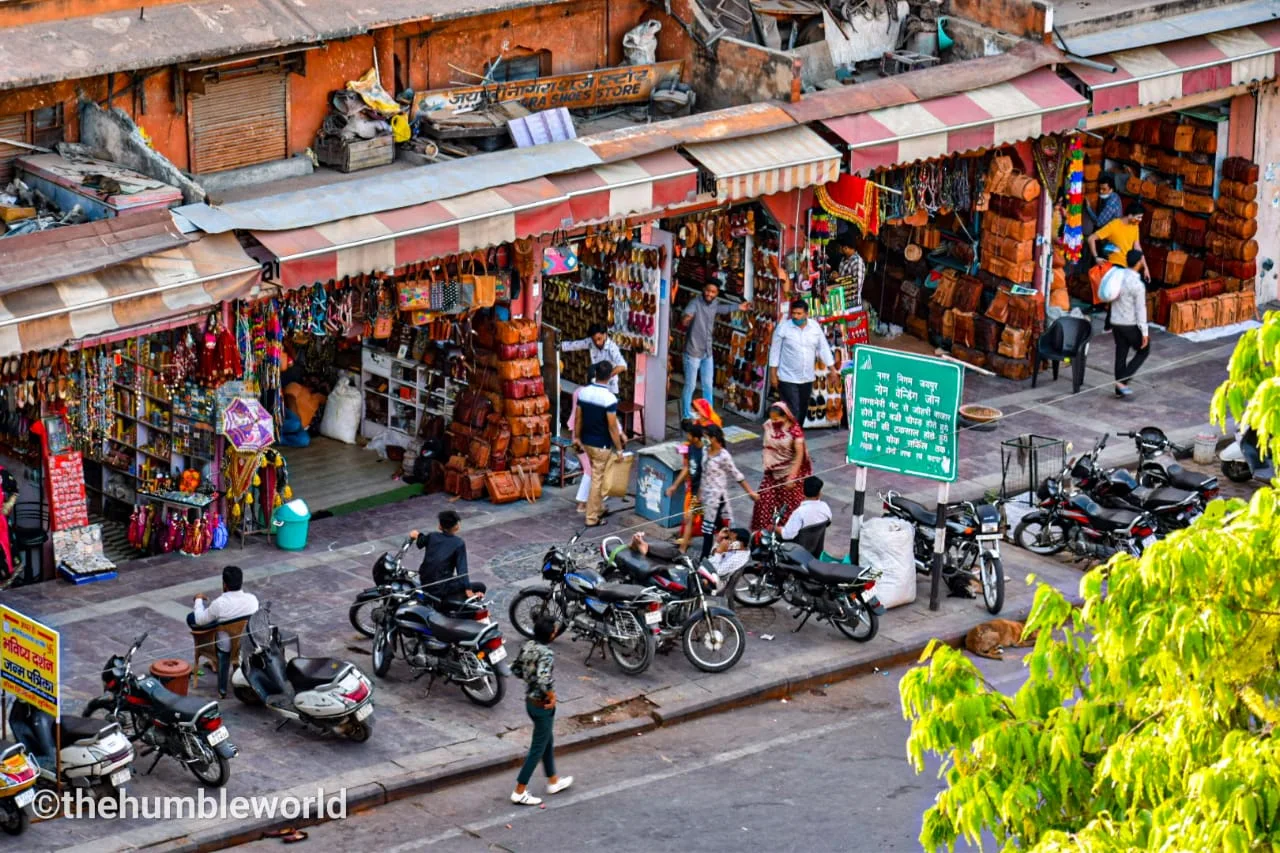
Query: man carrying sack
596	431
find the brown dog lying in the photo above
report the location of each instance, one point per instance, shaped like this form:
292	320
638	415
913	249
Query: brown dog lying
990	639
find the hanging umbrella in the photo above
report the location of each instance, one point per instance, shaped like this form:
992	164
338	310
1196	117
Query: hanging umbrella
247	425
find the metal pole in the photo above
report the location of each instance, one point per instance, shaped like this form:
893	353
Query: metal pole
859	510
939	545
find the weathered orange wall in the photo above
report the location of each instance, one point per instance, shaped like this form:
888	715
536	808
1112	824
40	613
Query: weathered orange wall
16	12
328	68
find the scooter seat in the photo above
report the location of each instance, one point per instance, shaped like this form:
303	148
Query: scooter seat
637	565
85	730
310	673
617	592
453	630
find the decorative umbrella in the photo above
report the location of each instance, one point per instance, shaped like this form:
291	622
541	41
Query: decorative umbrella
247	425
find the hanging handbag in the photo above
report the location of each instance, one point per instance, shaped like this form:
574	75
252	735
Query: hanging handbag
414	292
485	285
560	258
384	321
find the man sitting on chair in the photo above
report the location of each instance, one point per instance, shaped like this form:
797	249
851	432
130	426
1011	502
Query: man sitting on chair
812	510
232	605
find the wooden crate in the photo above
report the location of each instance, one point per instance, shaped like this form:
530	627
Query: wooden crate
356	154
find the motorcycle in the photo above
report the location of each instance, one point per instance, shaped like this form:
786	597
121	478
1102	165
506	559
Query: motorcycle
839	593
1152	445
391	576
18	776
1242	460
466	652
971	547
619	616
712	637
93	752
325	693
1076	521
188	729
1172	508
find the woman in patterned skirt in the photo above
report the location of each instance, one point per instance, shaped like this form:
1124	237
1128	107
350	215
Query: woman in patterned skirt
786	464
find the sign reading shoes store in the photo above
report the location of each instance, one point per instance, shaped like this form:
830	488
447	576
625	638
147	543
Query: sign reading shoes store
29	661
903	413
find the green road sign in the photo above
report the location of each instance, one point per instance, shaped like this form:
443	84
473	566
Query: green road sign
902	413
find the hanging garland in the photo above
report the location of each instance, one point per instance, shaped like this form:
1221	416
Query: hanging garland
1073	232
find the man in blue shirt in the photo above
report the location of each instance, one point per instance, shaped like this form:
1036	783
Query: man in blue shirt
596	432
1109	207
443	573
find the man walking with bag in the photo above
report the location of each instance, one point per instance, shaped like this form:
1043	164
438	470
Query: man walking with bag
595	430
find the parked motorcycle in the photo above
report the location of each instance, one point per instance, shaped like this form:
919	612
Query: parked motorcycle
1159	466
466	652
325	693
619	616
971	549
1242	460
188	729
839	593
18	776
712	637
1076	521
1172	508
93	752
391	575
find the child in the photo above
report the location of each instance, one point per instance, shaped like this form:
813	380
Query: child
691	476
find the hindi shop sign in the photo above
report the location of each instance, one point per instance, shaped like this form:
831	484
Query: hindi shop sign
29	661
903	413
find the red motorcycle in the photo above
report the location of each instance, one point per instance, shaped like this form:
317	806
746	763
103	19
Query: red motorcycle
1073	520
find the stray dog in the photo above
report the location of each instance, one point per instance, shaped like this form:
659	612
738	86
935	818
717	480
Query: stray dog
990	639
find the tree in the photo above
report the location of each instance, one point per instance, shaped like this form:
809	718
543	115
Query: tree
1146	721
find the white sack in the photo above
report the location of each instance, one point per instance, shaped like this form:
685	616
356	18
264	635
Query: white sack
887	545
342	412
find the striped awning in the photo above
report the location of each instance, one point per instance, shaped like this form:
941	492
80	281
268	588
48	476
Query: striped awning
1177	69
406	235
1032	105
646	184
755	166
145	290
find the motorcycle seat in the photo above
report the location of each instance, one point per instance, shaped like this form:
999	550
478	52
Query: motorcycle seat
1181	478
617	592
310	673
919	513
1161	496
834	572
637	565
444	628
169	705
85	730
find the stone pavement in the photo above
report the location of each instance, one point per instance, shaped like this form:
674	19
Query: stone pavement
420	737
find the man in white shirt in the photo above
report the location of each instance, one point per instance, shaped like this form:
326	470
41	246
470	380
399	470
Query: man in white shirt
233	604
812	510
797	346
600	347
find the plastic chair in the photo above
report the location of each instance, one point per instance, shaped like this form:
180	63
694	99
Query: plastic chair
29	530
813	538
1067	338
205	639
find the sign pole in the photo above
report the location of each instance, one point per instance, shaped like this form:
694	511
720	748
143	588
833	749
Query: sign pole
939	545
859	511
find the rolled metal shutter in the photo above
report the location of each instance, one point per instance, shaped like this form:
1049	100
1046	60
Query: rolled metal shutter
11	127
239	122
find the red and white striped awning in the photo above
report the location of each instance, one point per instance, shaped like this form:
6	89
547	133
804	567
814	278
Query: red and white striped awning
145	290
1032	105
1166	72
406	235
647	184
754	166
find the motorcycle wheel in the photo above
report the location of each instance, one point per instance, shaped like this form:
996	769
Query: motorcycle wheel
214	774
381	654
361	617
715	642
361	731
992	583
245	694
528	607
13	820
1237	472
866	623
1039	535
750	587
486	692
633	656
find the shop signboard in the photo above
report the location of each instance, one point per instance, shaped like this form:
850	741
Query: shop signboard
29	661
903	413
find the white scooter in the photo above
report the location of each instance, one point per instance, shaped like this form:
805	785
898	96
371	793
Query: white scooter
1241	460
329	694
94	752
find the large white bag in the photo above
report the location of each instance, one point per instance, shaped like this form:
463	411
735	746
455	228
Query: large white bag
887	545
341	418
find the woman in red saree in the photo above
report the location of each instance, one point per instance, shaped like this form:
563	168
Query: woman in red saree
786	464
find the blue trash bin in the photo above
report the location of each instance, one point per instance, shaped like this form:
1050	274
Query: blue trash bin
291	522
656	469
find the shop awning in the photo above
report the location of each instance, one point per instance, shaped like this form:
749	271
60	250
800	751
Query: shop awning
645	184
406	235
1032	105
1177	69
140	291
776	162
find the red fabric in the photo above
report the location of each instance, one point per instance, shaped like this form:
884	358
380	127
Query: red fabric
854	199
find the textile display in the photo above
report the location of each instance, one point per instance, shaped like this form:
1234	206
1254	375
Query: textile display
853	199
1073	232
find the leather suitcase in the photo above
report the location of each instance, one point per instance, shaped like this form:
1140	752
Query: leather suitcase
1197	202
471	485
502	487
969	356
968	294
1197	175
986	334
1166	194
1238	190
1174	264
1240	169
1248	309
963	334
1228	308
535	425
508	352
519	389
530	482
521	368
1016	369
1233	226
1117	149
1205	141
1184	138
539	464
498	434
1237	207
516	331
478	453
1207	311
1182	318
1014	343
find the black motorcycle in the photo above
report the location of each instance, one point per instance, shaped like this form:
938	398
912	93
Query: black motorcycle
1153	445
712	637
1172	508
188	729
1075	520
839	593
466	652
971	550
619	616
391	576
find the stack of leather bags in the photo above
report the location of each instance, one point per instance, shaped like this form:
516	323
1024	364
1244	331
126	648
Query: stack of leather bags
1231	250
1008	238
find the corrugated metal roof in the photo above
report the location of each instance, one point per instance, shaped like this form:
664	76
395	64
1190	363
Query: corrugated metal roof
1113	39
32	259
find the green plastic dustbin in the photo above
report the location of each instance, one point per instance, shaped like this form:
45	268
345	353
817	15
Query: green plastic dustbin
291	522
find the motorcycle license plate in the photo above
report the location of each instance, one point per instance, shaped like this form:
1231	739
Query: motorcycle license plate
498	654
25	798
120	777
364	712
652	617
1148	541
218	735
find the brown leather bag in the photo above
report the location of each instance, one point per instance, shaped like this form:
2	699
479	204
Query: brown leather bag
986	334
502	487
471	485
535	425
998	310
539	444
948	323
520	447
516	331
1016	369
1014	342
968	294
1205	141
1207	313
472	409
945	293
1240	169
478	453
1248	309
1233	226
529	481
1197	202
1173	266
963	334
969	356
498	434
1238	190
521	368
1238	207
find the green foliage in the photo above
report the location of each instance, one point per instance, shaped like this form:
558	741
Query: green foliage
1146	720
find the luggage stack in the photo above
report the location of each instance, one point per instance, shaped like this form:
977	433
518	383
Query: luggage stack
986	323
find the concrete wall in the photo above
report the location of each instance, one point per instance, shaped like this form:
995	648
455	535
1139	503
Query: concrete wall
1267	155
113	136
742	73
